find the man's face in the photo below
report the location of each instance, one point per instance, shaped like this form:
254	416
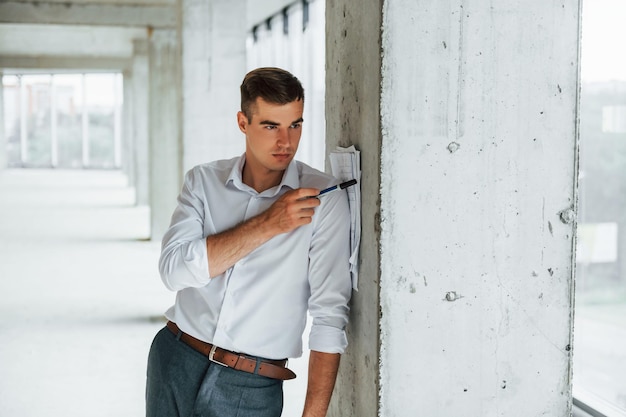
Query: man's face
272	135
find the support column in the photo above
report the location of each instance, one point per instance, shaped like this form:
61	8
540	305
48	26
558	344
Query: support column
4	157
140	110
213	65
477	194
54	140
117	123
128	129
85	125
165	131
24	103
353	68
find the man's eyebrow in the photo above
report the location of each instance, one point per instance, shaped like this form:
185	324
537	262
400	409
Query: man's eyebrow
271	123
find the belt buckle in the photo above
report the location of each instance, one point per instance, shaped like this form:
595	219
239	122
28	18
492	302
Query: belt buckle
212	359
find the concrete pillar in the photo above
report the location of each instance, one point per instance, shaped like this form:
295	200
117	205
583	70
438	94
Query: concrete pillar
353	68
620	127
54	139
467	259
3	142
128	142
86	160
165	132
140	110
213	33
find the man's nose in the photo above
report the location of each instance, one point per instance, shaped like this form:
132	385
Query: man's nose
283	137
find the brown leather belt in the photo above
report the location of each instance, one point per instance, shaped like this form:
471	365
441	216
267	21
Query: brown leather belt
264	367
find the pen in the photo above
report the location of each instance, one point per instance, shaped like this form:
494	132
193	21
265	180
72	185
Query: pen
337	187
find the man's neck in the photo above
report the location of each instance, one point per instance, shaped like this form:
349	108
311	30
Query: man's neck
261	179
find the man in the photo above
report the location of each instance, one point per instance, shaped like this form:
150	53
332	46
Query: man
249	250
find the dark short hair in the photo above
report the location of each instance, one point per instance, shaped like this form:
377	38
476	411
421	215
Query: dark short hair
273	85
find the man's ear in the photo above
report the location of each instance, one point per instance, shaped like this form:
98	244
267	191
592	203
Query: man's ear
242	121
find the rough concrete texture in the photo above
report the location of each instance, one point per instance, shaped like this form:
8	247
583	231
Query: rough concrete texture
479	158
353	118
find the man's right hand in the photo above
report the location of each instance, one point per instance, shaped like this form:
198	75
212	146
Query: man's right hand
293	209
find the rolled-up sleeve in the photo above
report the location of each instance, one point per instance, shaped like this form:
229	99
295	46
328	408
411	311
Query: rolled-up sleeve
329	275
184	262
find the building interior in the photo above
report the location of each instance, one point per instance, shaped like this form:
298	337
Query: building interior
105	104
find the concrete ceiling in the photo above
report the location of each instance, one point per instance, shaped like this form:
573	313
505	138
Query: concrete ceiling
89	34
64	40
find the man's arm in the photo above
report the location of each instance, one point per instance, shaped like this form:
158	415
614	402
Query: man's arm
292	210
322	375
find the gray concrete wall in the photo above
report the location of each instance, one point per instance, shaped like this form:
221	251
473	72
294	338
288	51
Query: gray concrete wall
139	108
165	131
353	68
477	173
213	34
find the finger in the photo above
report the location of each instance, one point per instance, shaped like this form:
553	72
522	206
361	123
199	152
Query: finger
308	212
302	193
307	203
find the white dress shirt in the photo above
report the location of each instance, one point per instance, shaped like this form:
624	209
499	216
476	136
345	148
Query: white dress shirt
259	306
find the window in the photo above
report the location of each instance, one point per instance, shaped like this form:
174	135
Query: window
294	39
600	317
63	120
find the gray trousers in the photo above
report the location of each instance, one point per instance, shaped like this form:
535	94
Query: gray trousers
182	382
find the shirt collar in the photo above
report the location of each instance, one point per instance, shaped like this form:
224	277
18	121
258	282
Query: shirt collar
290	179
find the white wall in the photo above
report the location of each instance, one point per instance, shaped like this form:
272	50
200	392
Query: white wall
469	185
213	66
479	159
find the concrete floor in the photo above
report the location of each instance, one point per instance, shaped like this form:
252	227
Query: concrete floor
81	297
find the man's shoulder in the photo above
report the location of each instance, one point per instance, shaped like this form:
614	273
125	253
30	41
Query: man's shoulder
311	177
218	167
209	175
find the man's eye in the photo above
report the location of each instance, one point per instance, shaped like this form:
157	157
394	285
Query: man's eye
296	125
270	127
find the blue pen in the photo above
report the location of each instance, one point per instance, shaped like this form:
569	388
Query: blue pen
337	187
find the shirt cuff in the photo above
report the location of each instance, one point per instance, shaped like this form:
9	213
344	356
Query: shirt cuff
186	265
327	339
